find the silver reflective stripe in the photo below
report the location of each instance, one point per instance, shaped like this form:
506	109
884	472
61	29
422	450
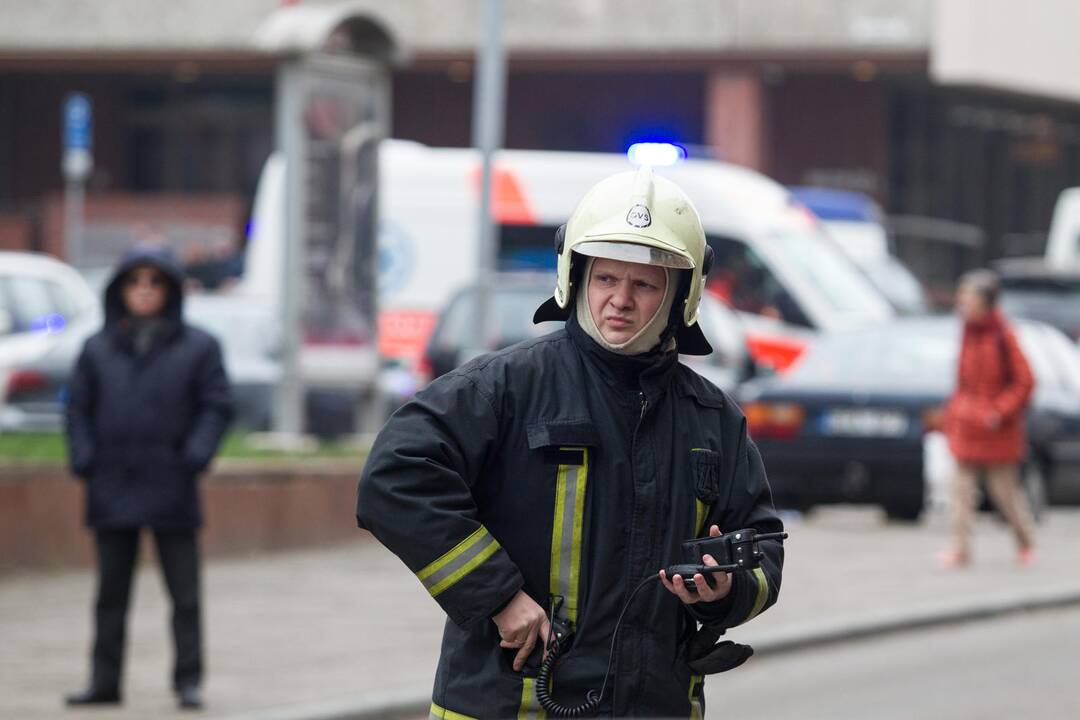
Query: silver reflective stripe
762	594
530	707
458	562
566	534
695	700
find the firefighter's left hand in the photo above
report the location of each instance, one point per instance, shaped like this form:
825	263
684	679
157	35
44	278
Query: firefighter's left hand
704	593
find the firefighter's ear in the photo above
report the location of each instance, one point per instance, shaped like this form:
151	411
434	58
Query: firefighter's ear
560	238
707	263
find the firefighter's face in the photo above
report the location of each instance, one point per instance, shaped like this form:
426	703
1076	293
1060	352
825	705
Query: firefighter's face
624	297
145	291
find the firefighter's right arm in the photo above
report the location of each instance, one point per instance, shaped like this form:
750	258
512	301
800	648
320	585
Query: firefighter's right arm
415	496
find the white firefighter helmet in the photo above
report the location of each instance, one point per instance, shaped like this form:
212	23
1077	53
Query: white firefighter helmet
639	217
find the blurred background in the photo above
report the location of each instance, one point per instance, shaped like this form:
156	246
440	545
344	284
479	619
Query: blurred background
364	196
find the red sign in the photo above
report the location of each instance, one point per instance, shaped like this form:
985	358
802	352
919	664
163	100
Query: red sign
405	333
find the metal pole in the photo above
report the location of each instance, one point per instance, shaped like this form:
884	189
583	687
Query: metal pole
74	202
288	406
489	86
76	165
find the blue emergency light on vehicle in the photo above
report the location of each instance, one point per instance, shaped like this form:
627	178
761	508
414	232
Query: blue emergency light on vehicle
829	204
48	324
655	153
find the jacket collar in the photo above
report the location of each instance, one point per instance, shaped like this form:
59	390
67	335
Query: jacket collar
993	321
650	373
122	333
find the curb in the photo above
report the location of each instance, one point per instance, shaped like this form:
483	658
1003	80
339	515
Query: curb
799	638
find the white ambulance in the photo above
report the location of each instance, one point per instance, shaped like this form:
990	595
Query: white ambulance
774	264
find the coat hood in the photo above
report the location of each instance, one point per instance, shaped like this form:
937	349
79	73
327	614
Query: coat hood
156	256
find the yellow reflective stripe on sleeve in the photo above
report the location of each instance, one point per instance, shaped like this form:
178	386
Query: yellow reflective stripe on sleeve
458	562
530	706
441	713
566	533
762	594
695	702
700	511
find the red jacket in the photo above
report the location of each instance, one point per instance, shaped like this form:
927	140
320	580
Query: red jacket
984	419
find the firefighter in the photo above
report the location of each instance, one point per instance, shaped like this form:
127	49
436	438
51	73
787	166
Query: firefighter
551	477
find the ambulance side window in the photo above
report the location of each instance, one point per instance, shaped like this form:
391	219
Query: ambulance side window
742	280
527	247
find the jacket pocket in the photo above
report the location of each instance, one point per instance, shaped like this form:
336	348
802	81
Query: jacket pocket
562	433
563	442
705	470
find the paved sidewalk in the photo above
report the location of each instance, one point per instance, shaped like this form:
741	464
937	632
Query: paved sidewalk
317	632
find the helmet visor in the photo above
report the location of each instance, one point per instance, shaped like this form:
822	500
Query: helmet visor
633	252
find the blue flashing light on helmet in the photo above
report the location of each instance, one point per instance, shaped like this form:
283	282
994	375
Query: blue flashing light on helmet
655	153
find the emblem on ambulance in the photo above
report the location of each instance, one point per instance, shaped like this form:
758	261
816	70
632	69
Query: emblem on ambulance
639	216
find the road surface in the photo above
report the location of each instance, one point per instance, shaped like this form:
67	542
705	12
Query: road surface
1024	666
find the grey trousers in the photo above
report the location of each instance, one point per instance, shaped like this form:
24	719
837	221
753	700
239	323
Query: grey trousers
1003	485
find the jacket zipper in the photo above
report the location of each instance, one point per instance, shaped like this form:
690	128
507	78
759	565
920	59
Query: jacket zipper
633	450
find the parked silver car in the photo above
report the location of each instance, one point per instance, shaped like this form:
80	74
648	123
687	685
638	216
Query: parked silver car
47	310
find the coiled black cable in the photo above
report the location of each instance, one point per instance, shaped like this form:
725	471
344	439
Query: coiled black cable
588	708
555	649
557	645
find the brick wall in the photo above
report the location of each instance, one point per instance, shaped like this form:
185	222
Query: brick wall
115	221
15	232
247	508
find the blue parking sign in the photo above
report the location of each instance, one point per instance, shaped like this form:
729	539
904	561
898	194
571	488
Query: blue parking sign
78	122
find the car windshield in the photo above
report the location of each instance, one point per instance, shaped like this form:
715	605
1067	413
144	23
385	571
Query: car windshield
1055	303
510	320
897	283
922	355
1064	357
821	265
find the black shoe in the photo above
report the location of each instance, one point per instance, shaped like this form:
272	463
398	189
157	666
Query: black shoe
94	696
189	697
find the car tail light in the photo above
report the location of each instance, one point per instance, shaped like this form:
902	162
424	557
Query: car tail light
778	353
777	421
933	419
24	381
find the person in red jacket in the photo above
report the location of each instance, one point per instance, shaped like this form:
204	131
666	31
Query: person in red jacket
984	419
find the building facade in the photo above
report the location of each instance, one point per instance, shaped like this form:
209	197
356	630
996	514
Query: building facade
905	100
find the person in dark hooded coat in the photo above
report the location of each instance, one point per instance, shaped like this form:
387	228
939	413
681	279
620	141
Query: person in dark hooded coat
149	404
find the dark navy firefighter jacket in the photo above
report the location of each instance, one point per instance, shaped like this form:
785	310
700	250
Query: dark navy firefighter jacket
141	427
562	468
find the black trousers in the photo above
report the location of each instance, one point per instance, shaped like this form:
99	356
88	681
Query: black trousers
117	551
